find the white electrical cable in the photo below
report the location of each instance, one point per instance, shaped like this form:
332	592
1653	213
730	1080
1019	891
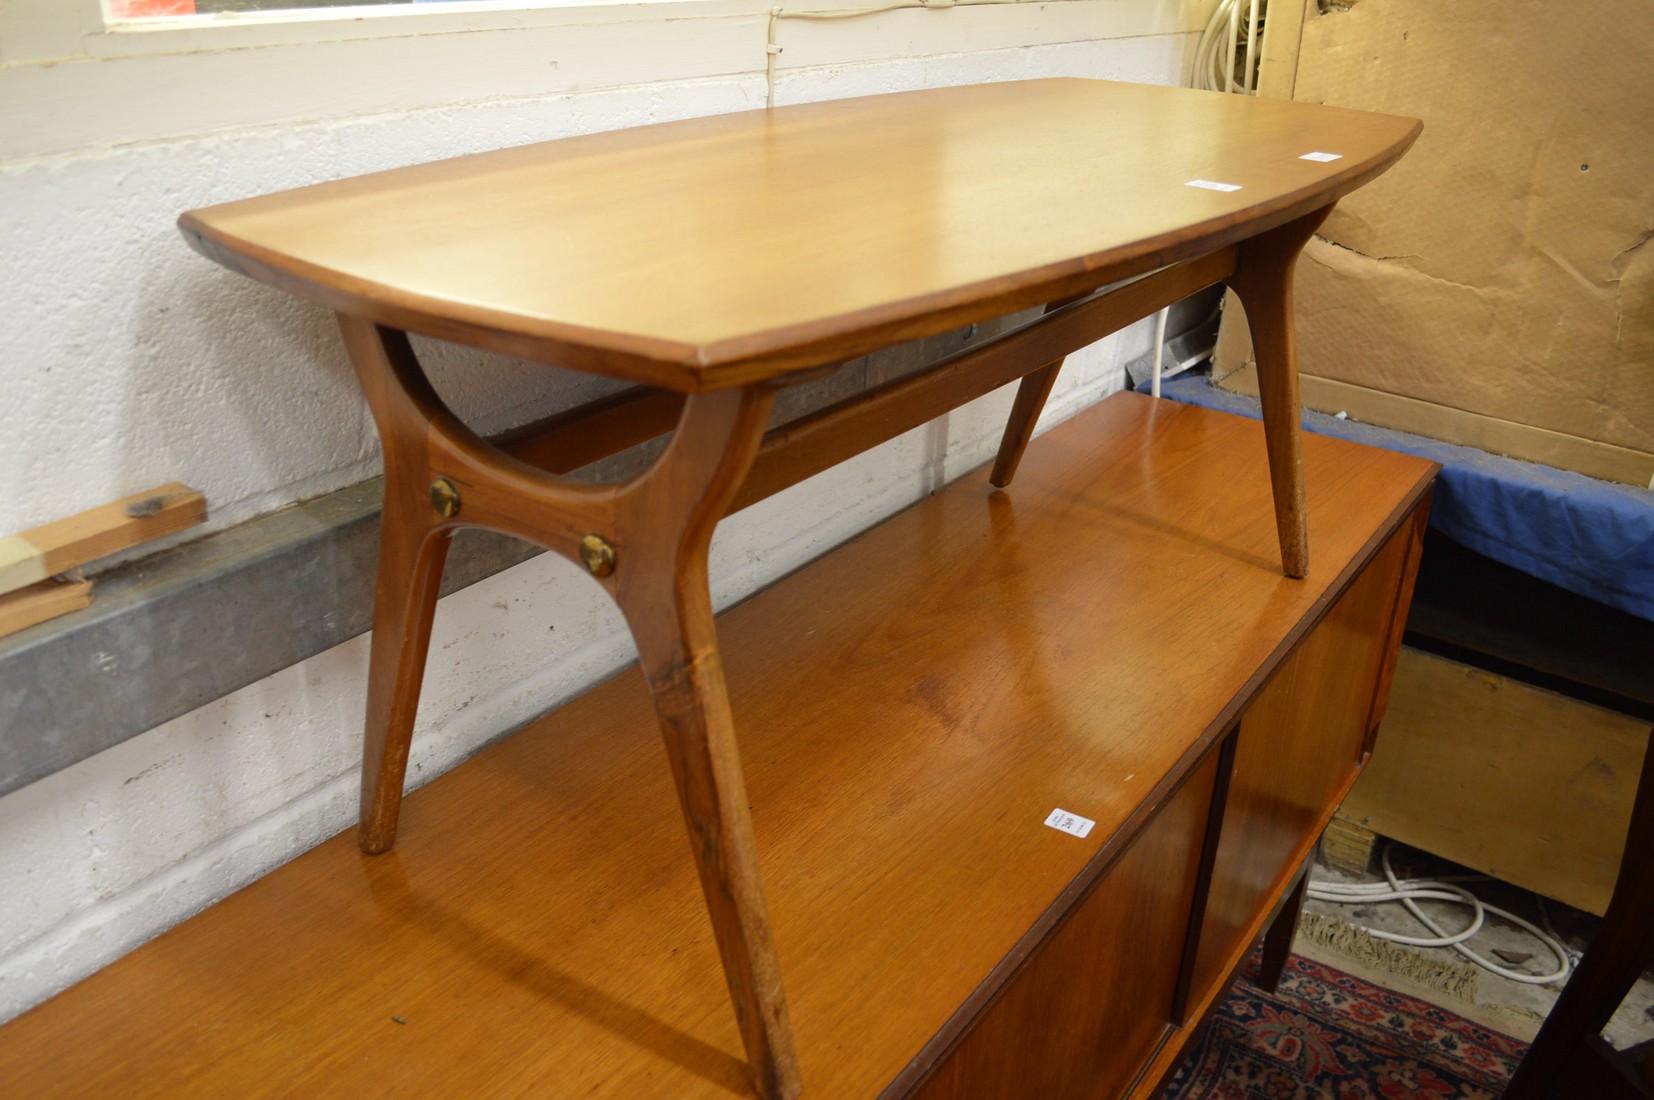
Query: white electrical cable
1217	49
1207	48
1249	82
1234	38
1411	891
1159	349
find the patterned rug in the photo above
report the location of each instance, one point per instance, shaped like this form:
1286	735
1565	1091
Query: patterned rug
1328	1035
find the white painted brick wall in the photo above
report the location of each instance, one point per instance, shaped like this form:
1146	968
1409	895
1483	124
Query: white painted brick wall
131	361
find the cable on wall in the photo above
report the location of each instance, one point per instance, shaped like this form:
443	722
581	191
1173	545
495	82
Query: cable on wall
772	48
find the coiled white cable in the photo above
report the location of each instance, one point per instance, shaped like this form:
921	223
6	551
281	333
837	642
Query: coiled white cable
1411	891
1217	50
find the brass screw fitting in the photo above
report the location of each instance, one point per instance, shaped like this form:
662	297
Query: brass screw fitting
445	498
598	554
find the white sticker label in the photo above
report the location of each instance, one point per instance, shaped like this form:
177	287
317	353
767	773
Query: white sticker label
1212	186
1323	157
1070	823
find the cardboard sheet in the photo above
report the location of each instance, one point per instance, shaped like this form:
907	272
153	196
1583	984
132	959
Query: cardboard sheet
1503	268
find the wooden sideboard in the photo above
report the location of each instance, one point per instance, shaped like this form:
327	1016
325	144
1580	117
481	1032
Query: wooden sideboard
1112	638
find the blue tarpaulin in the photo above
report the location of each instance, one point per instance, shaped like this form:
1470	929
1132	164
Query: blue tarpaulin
1592	537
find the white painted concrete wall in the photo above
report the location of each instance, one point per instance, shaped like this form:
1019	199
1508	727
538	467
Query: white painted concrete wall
129	361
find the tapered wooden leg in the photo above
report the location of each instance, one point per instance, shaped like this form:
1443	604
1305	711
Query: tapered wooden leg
1277	939
1032	393
411	555
662	588
1019	429
1263	281
680	659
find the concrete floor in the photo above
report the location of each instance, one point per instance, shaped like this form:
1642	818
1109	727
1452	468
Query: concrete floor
1437	974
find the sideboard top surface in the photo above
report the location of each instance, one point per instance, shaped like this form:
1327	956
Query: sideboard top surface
912	706
717	251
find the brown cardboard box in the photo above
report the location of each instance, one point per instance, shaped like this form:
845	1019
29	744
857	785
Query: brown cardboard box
1496	287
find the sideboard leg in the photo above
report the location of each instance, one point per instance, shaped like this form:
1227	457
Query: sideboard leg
661	584
411	556
1277	939
1263	281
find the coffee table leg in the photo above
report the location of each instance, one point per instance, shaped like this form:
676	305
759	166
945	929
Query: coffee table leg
680	658
661	584
646	541
413	545
411	556
1263	282
1032	393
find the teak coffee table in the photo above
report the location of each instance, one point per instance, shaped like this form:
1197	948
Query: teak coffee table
716	261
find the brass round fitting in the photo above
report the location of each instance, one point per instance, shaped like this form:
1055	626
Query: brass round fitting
445	498
598	554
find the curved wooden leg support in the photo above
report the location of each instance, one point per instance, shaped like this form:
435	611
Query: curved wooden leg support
413	545
646	540
423	442
662	587
1263	282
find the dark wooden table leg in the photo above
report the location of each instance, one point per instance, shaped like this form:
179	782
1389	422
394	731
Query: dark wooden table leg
1263	281
1568	1045
1278	937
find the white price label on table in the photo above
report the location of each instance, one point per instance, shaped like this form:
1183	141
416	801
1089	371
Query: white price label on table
1070	823
1213	185
1323	157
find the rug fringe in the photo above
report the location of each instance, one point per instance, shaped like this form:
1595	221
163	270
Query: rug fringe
1460	980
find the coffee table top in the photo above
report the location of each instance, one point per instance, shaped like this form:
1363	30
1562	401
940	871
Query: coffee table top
732	249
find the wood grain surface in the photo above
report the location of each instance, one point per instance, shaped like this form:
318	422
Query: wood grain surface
913	706
1299	748
724	250
1104	985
